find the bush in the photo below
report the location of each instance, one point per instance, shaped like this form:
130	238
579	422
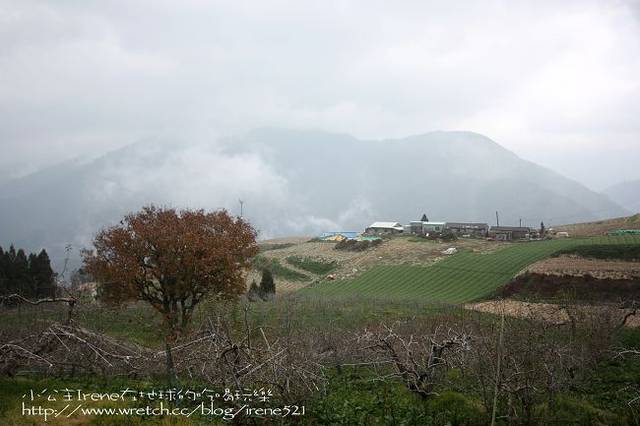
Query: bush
355	245
454	408
570	410
254	292
267	285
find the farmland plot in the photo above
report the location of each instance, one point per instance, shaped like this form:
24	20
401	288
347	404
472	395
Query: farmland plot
461	278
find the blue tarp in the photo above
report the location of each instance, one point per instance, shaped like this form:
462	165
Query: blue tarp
347	234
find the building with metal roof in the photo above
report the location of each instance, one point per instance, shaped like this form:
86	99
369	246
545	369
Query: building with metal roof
508	233
469	228
384	228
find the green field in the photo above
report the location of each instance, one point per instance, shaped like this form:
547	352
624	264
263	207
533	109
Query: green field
314	266
463	277
277	269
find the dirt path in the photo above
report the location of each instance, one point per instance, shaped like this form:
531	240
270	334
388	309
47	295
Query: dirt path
552	313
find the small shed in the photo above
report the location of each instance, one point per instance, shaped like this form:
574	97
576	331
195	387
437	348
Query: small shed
509	233
424	227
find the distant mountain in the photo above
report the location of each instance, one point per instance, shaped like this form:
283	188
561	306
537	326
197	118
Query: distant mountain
295	183
627	194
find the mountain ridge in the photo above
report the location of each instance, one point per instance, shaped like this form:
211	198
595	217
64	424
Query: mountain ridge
627	194
295	182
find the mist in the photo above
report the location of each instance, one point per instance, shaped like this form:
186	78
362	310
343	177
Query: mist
556	83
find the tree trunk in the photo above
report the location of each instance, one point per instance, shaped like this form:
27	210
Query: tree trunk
172	377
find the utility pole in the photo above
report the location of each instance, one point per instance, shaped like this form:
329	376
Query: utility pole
498	369
497	219
520	222
241	204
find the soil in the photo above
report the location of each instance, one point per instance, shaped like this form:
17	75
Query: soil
553	313
586	288
578	266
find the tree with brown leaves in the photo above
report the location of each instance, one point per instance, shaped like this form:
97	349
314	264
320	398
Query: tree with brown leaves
172	260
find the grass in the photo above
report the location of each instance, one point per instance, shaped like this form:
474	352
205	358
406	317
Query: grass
460	278
274	246
633	219
419	240
362	397
53	391
352	397
137	322
278	270
346	313
411	293
314	266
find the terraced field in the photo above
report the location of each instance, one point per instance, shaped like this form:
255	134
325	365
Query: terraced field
461	278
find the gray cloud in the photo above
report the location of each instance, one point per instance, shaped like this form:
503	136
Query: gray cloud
556	82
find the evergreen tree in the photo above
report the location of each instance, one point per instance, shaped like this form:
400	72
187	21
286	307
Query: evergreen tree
267	285
3	272
424	218
30	276
11	253
32	290
21	282
42	275
9	270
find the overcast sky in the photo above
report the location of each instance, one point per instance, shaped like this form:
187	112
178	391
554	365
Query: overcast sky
556	82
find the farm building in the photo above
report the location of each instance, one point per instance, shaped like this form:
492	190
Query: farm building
508	233
424	227
430	227
414	227
469	228
381	228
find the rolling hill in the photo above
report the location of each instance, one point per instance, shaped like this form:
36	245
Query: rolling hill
461	278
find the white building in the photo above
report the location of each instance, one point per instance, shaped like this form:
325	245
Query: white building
384	228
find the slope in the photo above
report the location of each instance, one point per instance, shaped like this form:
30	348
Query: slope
627	194
461	278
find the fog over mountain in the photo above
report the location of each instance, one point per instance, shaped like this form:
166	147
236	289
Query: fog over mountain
627	194
294	183
554	82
